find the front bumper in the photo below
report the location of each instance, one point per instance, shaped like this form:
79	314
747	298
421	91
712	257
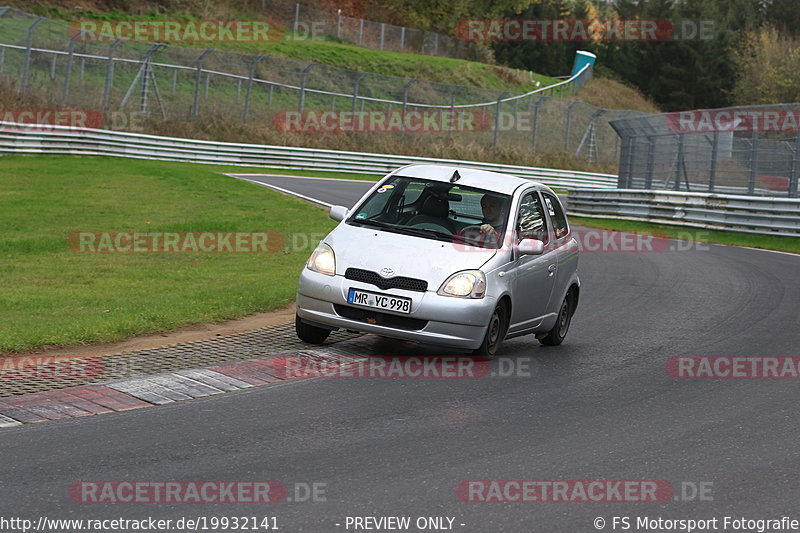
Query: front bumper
453	322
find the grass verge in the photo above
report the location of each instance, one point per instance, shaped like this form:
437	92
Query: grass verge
731	238
54	296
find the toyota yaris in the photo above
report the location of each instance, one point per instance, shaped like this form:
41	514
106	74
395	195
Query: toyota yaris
444	255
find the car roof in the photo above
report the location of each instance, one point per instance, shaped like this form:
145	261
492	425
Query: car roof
470	177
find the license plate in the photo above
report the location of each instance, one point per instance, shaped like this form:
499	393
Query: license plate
398	304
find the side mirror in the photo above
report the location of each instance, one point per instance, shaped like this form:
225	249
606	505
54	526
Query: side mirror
530	247
338	213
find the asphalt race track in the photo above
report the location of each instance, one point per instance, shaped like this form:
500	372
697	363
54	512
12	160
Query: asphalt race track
600	407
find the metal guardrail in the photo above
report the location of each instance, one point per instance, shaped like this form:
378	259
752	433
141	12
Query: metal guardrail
45	139
748	214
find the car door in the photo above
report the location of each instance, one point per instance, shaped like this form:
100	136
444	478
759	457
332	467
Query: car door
564	245
533	275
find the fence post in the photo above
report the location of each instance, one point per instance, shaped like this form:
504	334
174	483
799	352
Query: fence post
304	75
795	166
356	85
361	31
453	95
751	185
2	58
109	74
569	125
679	163
250	75
197	77
651	156
296	16
497	117
712	171
383	33
406	87
402	37
70	56
535	121
23	84
339	24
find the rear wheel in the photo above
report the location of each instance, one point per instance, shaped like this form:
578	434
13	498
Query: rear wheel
308	333
495	333
556	335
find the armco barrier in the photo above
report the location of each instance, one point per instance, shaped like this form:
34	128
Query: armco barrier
749	214
46	139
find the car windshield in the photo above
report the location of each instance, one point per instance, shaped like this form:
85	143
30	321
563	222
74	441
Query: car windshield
435	210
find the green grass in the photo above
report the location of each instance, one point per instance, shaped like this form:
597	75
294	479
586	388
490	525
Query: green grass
326	51
732	238
51	295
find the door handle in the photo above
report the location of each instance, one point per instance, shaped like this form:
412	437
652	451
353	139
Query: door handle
551	268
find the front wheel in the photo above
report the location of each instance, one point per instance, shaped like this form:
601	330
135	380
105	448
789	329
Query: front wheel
556	336
308	333
495	333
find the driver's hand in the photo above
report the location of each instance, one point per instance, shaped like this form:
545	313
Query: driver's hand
486	228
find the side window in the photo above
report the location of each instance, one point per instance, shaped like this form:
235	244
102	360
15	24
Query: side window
557	215
530	219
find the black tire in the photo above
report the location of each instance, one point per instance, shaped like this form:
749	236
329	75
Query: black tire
308	333
556	335
495	333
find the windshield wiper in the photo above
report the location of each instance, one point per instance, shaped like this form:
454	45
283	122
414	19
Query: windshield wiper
376	223
424	232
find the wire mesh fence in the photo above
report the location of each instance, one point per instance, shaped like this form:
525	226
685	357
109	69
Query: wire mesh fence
751	150
305	20
129	81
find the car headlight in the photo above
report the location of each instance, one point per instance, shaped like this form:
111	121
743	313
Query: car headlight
322	260
466	284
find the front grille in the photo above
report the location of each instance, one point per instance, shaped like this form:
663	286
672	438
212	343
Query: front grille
381	319
398	282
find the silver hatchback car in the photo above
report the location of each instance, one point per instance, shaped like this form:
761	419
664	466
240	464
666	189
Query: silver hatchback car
444	255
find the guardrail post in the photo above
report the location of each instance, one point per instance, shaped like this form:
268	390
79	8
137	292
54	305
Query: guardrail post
497	117
23	84
356	85
793	177
712	171
198	65
406	87
250	75
751	183
109	74
304	76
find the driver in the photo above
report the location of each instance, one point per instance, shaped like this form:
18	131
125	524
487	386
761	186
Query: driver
493	218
